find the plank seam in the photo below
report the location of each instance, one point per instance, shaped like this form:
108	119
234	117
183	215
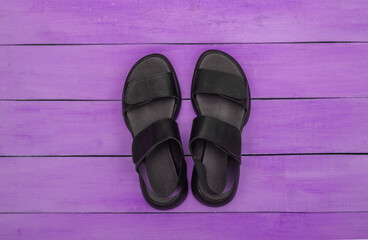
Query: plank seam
187	155
163	213
184	99
170	43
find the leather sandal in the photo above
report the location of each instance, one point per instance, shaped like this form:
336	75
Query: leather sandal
221	99
151	103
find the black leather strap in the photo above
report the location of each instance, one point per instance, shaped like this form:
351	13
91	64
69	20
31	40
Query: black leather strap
220	83
225	136
222	134
150	137
151	87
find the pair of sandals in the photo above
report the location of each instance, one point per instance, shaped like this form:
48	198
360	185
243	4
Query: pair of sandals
151	101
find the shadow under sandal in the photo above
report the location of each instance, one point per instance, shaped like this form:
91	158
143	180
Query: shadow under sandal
151	102
221	99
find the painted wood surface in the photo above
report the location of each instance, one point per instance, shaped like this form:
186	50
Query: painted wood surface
99	72
185	226
193	21
97	128
321	183
97	196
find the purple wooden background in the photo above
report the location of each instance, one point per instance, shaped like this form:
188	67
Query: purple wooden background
65	164
177	21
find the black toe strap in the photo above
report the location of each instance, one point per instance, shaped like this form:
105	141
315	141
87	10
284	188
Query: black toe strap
150	137
148	88
219	83
225	136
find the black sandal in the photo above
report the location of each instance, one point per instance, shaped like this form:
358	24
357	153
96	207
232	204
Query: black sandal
151	103
221	99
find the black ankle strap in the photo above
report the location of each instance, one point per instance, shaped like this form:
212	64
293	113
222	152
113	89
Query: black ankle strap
224	135
150	137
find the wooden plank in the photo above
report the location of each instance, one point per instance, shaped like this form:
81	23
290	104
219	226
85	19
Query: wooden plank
268	183
185	226
97	128
145	21
273	70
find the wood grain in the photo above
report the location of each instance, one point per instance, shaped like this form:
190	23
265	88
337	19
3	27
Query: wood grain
185	226
99	72
330	183
98	197
221	21
97	128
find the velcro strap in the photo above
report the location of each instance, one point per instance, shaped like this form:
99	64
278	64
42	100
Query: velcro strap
225	136
151	87
150	137
219	83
